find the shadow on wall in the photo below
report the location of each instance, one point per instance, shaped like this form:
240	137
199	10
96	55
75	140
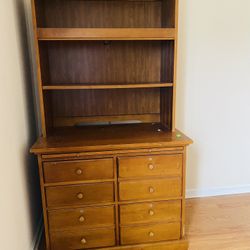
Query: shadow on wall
29	161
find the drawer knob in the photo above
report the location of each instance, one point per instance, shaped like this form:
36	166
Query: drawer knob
83	241
81	219
151	234
78	171
151	166
151	212
80	196
151	190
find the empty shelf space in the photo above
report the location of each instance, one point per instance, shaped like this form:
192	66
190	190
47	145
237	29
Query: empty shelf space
107	86
106	34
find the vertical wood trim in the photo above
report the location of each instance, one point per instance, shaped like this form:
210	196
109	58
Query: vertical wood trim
175	64
45	216
183	204
117	229
39	76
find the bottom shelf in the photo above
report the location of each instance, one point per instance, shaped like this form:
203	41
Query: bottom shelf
110	137
107	86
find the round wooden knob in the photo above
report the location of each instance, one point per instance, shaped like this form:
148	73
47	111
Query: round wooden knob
151	166
79	171
151	212
151	190
151	234
83	241
80	196
81	219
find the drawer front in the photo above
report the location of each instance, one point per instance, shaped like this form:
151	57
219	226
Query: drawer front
165	211
79	194
79	239
63	171
150	233
156	165
150	189
68	219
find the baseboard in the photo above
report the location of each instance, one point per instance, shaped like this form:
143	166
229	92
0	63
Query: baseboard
194	193
38	235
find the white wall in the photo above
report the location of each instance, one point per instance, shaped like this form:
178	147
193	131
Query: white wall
19	189
213	95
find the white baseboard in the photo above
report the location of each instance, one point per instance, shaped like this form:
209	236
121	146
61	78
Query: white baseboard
195	193
38	235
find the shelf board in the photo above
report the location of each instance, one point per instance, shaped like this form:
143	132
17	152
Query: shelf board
106	34
107	86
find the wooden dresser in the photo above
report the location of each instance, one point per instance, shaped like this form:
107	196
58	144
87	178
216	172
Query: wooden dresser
111	162
114	190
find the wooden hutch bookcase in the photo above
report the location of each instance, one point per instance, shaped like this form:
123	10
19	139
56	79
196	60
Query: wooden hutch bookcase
111	163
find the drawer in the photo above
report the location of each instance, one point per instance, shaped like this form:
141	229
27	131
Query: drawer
80	194
150	189
156	165
150	233
68	219
62	171
165	211
79	239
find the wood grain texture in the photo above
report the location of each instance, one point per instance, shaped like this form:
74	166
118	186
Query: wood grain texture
63	171
107	86
117	215
221	222
151	212
101	63
79	239
105	102
118	153
44	203
150	189
106	14
166	94
81	218
174	213
165	245
169	12
77	121
89	194
74	63
151	165
96	62
213	223
150	233
110	61
183	204
116	137
81	65
57	34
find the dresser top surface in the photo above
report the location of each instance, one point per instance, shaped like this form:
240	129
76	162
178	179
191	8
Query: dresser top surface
106	138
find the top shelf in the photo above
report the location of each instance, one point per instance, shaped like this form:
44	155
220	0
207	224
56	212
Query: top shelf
54	34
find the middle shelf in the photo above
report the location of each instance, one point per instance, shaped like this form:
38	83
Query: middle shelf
105	34
106	86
